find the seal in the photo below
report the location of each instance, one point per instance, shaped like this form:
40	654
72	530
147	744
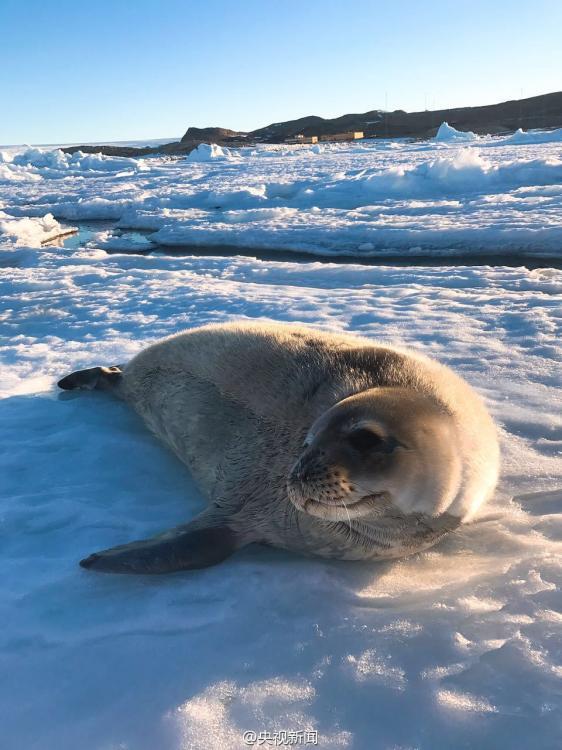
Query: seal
319	443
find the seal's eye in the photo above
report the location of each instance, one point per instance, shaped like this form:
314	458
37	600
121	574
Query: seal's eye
363	439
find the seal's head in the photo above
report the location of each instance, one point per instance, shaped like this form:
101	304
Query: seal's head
379	450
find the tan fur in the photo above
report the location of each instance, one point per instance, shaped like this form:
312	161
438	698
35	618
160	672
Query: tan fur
236	402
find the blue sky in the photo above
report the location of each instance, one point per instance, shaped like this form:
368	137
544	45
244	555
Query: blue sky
100	70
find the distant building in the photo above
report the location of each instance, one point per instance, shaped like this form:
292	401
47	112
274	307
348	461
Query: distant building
350	136
302	139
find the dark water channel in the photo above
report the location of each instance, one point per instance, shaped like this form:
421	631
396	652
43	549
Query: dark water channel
143	245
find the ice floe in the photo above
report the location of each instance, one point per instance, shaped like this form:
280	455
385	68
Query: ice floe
489	195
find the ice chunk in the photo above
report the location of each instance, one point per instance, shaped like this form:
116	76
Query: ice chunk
208	152
447	133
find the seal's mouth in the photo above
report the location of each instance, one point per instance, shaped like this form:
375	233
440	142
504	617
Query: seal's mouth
338	510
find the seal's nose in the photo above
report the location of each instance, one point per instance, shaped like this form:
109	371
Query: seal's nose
307	467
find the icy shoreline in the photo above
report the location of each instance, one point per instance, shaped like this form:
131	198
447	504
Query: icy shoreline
486	195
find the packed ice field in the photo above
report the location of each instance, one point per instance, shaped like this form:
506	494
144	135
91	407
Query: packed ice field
458	647
456	194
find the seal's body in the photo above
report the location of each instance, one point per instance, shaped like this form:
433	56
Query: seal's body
319	443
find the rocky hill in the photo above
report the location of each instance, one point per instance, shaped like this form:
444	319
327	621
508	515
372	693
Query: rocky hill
535	112
543	111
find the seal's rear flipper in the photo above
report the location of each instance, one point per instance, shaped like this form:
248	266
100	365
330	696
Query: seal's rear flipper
183	548
105	378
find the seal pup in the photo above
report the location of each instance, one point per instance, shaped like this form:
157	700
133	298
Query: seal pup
325	444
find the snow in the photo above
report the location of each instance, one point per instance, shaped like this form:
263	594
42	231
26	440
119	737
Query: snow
456	647
30	231
374	198
40	163
537	136
448	133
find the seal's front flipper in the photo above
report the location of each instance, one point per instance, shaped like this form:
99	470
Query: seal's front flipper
183	548
105	378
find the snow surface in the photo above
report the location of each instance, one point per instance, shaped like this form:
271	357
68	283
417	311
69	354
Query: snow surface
31	231
489	195
535	136
458	647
